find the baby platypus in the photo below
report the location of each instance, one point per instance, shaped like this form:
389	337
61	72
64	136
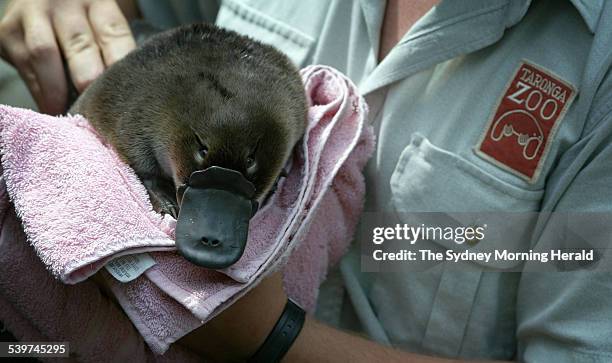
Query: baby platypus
194	97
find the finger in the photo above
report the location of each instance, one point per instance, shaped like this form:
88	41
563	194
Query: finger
78	44
17	54
46	62
111	30
13	50
11	33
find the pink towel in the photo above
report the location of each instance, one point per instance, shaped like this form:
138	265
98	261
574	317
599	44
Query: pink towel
36	307
80	207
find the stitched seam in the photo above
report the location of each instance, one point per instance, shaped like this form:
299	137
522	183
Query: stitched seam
591	352
254	16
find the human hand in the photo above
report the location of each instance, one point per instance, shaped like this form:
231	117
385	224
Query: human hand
91	34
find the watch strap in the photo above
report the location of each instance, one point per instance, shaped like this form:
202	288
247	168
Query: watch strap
282	336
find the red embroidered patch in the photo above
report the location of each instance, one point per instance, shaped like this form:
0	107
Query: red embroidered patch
521	130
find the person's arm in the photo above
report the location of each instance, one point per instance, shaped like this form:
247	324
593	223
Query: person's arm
320	343
90	34
238	331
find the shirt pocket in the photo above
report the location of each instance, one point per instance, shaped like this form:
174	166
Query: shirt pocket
244	19
430	179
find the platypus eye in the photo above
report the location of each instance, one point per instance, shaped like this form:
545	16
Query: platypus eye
251	164
203	149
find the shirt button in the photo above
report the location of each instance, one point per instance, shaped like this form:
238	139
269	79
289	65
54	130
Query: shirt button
473	241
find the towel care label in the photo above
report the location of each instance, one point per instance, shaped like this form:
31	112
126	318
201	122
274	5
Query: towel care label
128	268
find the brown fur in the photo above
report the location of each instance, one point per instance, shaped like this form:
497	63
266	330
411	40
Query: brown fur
240	96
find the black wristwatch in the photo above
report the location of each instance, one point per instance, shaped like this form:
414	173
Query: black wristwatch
282	336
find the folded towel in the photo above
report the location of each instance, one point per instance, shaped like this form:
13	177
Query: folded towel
81	207
36	307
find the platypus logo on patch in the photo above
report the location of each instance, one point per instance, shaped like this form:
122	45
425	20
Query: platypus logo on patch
523	126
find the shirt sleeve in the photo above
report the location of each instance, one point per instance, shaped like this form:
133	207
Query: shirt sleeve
567	316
